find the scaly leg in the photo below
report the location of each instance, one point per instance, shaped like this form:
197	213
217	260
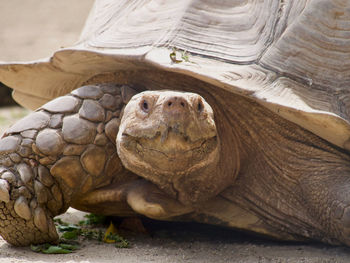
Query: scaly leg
134	197
55	155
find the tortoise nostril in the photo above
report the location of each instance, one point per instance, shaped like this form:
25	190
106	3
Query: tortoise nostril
175	105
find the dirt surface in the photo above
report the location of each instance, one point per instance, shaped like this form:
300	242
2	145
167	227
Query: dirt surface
169	242
33	29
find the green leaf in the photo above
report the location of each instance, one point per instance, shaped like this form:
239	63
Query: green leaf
50	249
70	227
184	56
93	219
122	244
68	246
172	56
35	248
56	250
119	241
71	234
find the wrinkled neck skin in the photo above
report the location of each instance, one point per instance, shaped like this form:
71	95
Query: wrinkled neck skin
171	139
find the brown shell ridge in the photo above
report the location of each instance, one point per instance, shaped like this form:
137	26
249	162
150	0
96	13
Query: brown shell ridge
315	48
242	38
253	81
35	83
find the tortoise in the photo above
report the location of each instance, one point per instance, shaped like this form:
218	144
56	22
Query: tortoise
232	113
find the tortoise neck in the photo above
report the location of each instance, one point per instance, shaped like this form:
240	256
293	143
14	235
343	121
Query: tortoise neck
251	132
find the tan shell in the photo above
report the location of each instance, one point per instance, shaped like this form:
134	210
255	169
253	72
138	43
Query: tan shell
290	56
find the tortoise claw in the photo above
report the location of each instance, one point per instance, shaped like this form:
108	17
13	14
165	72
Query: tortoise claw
40	219
22	208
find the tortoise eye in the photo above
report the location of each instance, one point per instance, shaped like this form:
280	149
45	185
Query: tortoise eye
145	106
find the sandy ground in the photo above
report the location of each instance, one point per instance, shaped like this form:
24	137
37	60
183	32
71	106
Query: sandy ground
33	29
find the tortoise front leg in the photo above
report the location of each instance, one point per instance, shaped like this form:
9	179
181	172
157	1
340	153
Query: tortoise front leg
137	196
147	199
55	155
29	196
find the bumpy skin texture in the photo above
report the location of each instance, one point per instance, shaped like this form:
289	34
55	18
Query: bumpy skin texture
55	155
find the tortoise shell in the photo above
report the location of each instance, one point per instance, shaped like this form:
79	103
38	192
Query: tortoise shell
290	56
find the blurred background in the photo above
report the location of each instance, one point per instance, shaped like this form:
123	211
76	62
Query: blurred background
34	29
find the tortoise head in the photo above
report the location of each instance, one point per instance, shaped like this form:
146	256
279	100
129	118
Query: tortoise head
170	139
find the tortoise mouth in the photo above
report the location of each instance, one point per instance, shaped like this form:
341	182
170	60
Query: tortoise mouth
167	152
175	146
196	148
